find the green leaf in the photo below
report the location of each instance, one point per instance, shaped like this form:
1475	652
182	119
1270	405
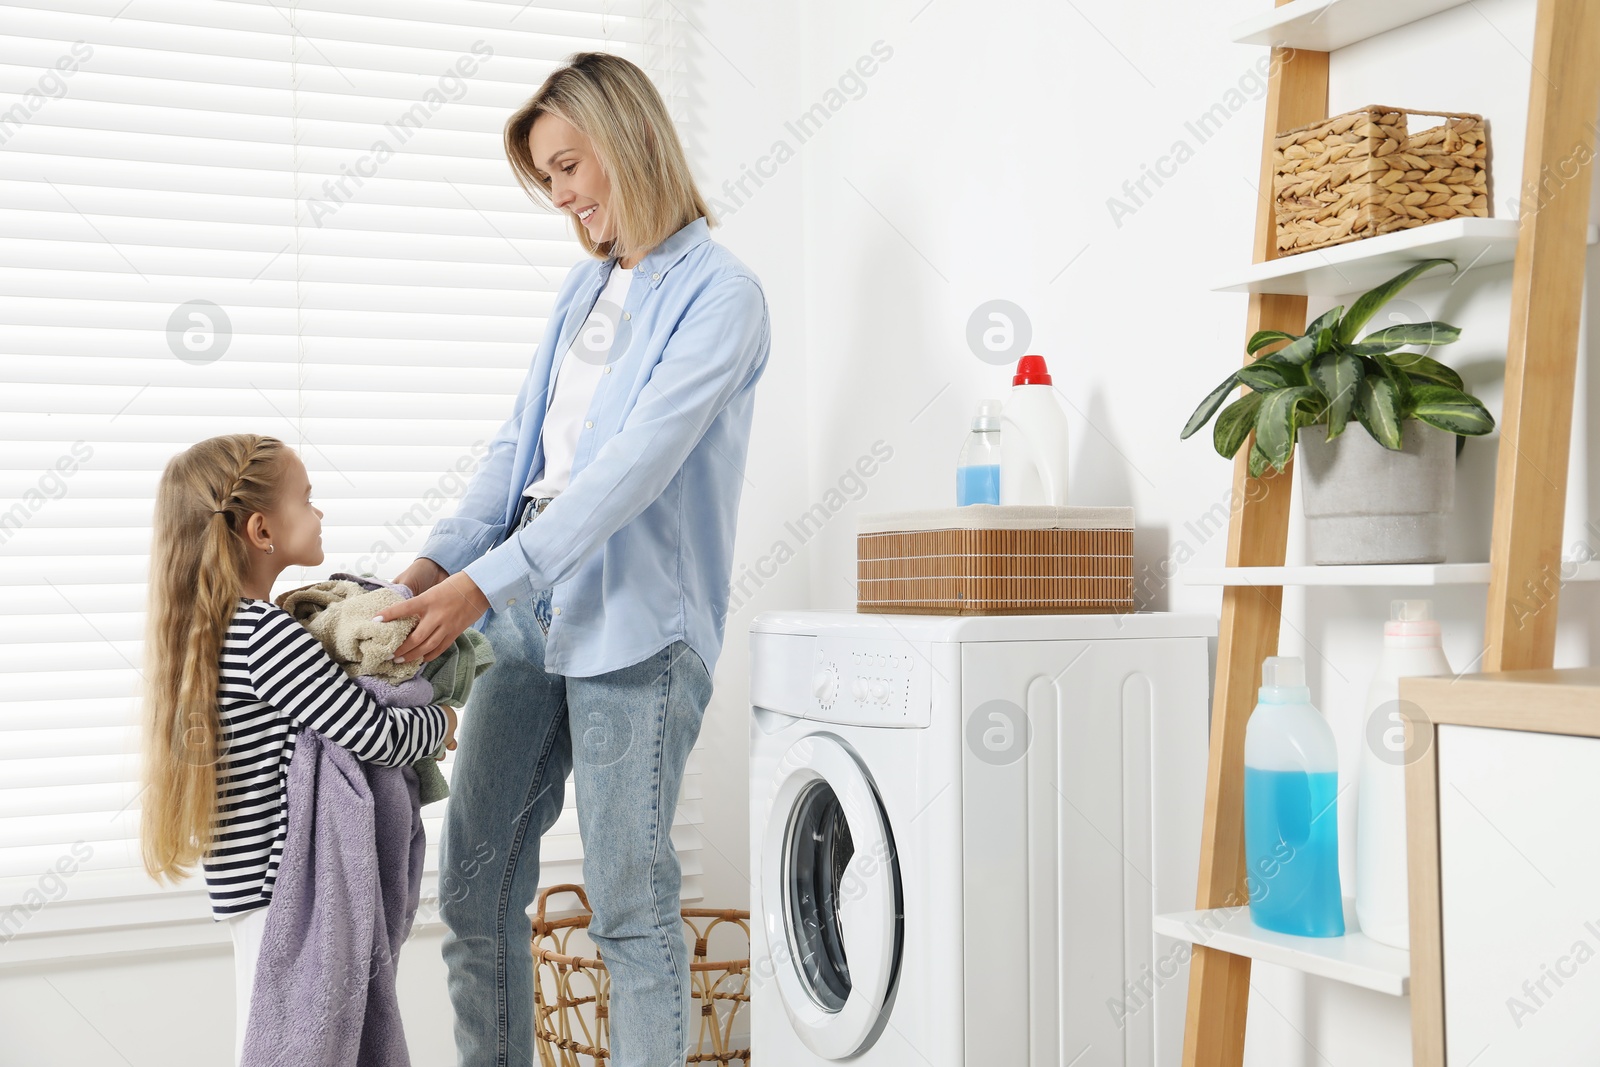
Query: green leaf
1262	338
1414	333
1338	377
1378	408
1451	409
1264	377
1258	460
1208	407
1397	378
1322	326
1369	302
1293	373
1297	351
1235	424
1277	420
1425	368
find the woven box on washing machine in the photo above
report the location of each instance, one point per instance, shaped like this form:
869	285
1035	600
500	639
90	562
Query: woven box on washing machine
996	559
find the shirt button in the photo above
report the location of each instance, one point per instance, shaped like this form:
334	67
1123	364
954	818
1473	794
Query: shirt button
557	611
627	314
607	369
510	602
587	423
655	277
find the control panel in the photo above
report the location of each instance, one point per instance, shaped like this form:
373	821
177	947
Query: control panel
870	682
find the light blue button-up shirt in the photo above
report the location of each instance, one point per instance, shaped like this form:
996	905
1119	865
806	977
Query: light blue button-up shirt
639	546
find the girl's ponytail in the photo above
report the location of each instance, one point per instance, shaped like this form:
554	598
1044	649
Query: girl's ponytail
198	563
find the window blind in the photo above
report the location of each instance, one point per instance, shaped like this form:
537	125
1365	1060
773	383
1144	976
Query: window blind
219	216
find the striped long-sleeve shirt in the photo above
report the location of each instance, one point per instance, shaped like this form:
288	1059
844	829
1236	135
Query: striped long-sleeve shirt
276	680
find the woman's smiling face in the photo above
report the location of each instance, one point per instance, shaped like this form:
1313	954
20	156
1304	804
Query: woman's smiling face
567	165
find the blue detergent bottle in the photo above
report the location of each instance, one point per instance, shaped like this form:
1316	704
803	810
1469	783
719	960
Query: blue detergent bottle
978	465
1291	785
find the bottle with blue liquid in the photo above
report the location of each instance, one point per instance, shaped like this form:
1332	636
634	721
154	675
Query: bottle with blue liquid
1291	786
978	466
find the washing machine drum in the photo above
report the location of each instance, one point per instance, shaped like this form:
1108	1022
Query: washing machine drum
831	900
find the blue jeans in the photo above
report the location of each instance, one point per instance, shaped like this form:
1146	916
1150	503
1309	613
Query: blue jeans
625	736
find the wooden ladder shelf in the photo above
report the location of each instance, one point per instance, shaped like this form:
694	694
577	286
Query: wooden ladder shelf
1530	488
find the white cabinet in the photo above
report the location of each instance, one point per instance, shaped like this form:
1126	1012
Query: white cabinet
1503	824
1519	822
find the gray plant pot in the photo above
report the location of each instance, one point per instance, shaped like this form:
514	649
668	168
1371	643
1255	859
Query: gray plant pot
1367	504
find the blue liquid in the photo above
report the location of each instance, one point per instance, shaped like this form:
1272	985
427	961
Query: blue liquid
1291	850
978	485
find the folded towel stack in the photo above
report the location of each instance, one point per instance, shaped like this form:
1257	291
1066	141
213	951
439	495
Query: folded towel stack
339	613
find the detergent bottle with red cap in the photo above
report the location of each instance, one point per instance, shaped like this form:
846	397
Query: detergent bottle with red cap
1033	438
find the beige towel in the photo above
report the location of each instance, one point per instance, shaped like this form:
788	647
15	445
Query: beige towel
339	614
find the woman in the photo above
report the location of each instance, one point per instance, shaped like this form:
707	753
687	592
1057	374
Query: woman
598	534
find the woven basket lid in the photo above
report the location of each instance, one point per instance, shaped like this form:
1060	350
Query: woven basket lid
998	517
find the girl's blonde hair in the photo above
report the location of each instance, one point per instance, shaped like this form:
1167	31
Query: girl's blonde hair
613	103
198	562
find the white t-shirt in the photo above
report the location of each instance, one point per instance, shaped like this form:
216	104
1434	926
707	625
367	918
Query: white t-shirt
586	361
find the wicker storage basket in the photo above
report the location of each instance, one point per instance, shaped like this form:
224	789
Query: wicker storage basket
989	559
1361	174
572	994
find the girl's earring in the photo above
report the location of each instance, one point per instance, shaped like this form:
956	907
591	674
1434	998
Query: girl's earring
271	549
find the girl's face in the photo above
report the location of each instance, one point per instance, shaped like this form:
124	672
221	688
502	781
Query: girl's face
295	525
565	161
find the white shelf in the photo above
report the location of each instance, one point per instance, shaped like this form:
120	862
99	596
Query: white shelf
1395	574
1359	265
1323	25
1354	958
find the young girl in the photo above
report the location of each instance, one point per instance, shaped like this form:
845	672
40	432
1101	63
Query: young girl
231	680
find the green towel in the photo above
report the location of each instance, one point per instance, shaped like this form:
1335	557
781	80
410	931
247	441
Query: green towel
452	675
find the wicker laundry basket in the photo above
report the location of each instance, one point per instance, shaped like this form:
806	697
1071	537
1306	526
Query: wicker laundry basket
572	994
1363	173
996	559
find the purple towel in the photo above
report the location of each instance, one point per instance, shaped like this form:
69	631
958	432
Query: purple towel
347	891
411	693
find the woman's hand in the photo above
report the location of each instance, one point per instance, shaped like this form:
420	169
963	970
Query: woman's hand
442	613
422	575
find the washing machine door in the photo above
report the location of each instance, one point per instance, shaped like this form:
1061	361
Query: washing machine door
830	898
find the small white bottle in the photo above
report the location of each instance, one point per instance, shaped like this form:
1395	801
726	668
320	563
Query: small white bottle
1033	439
1411	649
978	465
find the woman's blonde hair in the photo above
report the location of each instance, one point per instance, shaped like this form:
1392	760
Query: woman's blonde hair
613	103
198	562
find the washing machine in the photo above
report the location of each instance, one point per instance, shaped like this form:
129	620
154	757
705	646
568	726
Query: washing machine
960	828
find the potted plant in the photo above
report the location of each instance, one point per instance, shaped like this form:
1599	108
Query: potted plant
1382	496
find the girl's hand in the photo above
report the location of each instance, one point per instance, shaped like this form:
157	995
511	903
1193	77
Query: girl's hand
422	575
449	734
442	613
